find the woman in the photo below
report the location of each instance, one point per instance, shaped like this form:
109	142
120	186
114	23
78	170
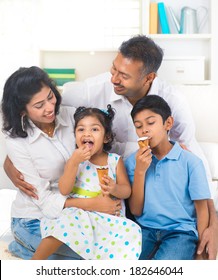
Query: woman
39	140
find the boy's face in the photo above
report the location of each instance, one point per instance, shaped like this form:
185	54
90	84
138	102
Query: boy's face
148	123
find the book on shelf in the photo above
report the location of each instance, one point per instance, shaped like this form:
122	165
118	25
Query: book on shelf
61	75
163	18
153	20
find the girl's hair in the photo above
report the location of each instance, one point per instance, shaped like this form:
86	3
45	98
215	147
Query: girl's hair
104	116
18	91
144	49
153	103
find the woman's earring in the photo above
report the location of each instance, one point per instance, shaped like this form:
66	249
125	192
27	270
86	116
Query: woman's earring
22	123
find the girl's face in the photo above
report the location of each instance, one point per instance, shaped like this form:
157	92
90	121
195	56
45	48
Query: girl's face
150	124
89	131
41	108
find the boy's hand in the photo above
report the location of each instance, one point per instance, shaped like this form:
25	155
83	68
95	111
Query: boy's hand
143	159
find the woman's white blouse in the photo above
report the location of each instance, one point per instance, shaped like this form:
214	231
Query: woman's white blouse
41	160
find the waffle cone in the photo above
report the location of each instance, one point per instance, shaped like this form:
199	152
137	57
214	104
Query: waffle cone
143	142
101	172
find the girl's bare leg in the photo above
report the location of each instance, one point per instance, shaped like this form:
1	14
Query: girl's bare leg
47	247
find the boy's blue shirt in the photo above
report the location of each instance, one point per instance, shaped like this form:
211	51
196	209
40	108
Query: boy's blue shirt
171	185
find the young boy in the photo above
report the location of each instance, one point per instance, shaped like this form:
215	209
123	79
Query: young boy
169	187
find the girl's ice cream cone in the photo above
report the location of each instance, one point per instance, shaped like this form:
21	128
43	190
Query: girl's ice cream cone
101	172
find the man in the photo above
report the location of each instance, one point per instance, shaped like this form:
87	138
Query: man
134	75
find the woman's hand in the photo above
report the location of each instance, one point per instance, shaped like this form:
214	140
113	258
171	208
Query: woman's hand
18	180
105	204
100	203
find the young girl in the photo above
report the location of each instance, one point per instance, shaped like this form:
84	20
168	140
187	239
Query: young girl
93	235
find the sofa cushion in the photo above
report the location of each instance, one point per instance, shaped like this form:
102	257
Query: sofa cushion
203	101
211	152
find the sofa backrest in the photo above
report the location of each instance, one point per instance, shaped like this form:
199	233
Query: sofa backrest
203	101
5	183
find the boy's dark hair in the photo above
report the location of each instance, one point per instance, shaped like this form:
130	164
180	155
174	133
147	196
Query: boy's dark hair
104	116
143	49
153	103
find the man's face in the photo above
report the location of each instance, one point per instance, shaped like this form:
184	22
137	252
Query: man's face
128	79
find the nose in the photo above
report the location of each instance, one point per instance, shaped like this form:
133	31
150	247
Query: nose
115	79
50	106
145	130
86	133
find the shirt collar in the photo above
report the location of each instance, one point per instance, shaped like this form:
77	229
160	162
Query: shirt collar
34	132
116	97
154	87
173	154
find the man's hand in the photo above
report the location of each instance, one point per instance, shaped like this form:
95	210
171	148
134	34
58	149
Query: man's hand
18	180
209	242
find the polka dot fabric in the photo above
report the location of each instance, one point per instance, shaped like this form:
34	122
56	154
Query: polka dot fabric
94	235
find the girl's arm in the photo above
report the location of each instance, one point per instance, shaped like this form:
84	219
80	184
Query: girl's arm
67	180
202	220
136	200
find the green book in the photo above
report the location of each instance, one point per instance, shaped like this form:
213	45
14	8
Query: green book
61	75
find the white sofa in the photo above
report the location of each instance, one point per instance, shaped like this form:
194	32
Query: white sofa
203	101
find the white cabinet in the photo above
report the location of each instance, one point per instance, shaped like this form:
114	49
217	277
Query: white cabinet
190	47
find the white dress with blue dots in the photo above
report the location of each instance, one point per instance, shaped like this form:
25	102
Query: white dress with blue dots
95	235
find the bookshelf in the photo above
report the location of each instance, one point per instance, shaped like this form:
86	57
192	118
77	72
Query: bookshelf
187	47
199	45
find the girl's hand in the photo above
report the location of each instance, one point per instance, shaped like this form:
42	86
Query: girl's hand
109	187
81	154
143	159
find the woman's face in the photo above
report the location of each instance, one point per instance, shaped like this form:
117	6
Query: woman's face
41	108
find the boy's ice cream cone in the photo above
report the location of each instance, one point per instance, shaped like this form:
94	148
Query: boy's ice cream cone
143	142
101	172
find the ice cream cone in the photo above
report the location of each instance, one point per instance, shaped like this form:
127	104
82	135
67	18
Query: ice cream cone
143	142
101	172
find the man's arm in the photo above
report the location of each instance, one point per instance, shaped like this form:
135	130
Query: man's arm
18	180
210	235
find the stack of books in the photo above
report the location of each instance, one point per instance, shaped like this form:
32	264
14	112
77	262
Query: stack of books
162	19
61	75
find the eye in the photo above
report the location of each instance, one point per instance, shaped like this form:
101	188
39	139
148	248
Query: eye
125	77
38	106
80	129
50	96
95	129
151	123
138	126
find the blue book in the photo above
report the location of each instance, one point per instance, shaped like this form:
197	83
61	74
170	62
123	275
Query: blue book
163	18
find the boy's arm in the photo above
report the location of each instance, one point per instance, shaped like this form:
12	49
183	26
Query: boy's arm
136	200
202	221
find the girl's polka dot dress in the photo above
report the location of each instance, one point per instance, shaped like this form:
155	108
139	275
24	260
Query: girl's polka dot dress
95	235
